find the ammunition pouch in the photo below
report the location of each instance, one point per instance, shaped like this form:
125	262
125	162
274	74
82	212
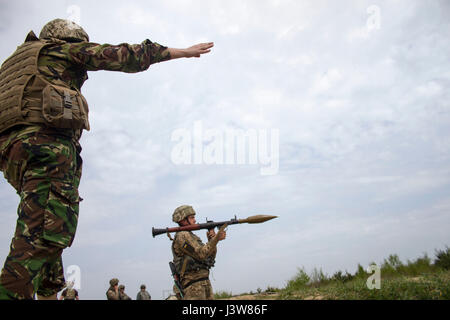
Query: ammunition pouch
64	108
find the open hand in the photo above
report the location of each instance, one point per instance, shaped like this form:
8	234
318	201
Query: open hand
199	49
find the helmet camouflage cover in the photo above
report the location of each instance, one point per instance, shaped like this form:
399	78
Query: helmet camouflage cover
182	213
113	282
63	30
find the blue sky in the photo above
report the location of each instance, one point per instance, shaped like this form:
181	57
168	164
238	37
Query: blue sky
363	120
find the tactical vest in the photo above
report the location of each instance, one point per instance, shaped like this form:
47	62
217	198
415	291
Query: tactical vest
27	97
185	263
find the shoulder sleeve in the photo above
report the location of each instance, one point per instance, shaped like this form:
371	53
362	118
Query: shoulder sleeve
189	244
124	57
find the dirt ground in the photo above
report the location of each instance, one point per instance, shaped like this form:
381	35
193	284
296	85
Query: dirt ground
268	296
264	296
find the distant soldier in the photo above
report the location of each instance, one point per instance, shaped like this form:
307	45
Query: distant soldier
113	291
122	294
192	258
143	294
69	293
42	117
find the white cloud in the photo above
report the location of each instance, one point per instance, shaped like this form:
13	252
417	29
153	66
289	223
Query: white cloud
361	33
429	89
326	81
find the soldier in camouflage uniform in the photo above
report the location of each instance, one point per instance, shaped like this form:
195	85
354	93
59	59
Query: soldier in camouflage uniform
122	294
143	294
70	293
42	116
113	291
192	258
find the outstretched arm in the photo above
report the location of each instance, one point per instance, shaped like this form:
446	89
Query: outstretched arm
193	51
124	57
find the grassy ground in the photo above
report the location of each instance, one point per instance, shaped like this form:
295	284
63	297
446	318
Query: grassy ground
414	280
424	287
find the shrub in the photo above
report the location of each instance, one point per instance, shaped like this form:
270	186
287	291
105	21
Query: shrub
420	266
340	277
222	295
392	266
300	280
443	259
318	278
361	273
271	290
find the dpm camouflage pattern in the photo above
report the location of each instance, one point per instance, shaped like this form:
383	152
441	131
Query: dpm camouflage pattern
68	63
44	166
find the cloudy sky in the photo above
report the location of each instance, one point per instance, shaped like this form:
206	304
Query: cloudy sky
348	103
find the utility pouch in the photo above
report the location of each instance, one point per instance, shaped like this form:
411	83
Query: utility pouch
64	108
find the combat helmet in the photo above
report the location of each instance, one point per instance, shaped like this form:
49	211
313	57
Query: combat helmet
64	30
182	213
113	282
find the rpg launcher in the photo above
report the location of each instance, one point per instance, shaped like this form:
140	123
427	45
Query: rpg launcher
211	224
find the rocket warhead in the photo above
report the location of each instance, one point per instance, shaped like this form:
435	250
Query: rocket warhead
257	219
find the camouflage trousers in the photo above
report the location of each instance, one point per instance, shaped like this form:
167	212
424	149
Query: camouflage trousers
44	166
201	290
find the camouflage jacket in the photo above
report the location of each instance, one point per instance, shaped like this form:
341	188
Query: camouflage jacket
143	295
67	63
70	61
199	257
123	296
112	295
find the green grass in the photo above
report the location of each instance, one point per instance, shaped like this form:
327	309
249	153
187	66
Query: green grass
222	295
425	287
420	279
414	280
